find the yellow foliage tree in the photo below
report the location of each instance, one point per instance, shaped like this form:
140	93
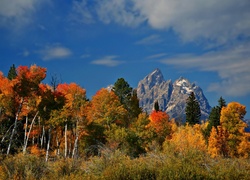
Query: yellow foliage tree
244	146
188	138
217	142
231	121
106	108
213	144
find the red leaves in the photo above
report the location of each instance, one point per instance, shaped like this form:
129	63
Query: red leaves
159	120
28	80
35	73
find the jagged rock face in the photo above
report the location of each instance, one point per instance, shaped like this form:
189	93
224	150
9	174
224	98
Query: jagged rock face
170	96
154	88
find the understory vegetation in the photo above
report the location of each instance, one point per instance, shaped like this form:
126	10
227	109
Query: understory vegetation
117	165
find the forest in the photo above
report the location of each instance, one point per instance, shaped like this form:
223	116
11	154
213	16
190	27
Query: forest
54	131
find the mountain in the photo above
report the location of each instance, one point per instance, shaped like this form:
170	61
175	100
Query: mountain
171	96
247	129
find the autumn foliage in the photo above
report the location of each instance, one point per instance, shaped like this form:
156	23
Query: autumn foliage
55	122
188	138
230	138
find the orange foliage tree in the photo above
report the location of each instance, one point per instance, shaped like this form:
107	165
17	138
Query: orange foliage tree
19	93
159	121
106	108
217	142
71	116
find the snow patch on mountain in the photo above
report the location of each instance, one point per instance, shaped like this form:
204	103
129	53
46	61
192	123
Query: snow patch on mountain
170	96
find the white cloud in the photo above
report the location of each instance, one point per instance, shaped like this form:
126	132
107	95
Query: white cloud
18	12
157	56
108	11
84	56
119	11
55	52
108	61
231	64
153	39
81	12
26	53
194	20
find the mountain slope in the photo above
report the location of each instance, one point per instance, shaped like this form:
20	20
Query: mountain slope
170	96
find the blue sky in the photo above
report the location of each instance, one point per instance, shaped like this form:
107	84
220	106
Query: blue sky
95	42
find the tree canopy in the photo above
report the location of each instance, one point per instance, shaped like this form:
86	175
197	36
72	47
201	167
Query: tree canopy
193	112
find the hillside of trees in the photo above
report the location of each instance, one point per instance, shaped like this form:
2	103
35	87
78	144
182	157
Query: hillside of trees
53	131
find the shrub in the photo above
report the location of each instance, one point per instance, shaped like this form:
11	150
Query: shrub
23	167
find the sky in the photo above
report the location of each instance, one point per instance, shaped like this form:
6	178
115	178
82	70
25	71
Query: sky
95	42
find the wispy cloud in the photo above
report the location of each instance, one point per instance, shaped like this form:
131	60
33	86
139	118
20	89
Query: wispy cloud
84	56
26	53
152	39
109	61
219	22
157	56
53	52
17	13
112	11
231	64
122	12
82	13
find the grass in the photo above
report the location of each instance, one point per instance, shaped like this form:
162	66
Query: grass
116	165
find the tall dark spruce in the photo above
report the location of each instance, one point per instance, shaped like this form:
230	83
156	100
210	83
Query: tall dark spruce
128	97
214	117
12	72
193	112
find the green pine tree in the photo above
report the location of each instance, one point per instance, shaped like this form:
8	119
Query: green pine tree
222	103
193	112
123	90
12	72
134	106
128	97
214	117
156	106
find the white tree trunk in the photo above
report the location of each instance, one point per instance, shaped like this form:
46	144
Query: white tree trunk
15	125
75	147
47	151
27	137
43	140
25	130
66	144
57	145
76	142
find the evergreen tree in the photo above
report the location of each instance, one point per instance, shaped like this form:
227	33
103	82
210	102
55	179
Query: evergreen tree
123	90
128	98
156	106
222	103
193	112
12	72
134	106
214	117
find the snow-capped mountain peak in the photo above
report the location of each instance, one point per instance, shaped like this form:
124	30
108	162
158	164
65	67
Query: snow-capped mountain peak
184	86
182	82
170	96
154	78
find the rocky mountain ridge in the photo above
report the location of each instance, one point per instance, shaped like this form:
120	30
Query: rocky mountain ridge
171	96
